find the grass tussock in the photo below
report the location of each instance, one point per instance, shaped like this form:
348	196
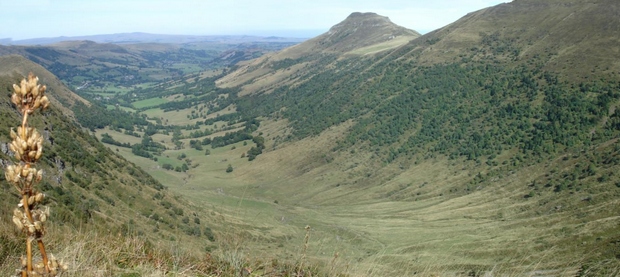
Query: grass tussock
91	253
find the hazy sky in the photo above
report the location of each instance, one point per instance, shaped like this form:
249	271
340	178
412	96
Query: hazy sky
52	18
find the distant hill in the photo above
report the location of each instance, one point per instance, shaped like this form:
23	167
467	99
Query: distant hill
133	38
112	66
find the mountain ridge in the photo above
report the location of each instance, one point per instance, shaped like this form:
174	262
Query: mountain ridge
358	34
524	30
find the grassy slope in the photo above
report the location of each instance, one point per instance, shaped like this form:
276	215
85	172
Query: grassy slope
105	197
391	220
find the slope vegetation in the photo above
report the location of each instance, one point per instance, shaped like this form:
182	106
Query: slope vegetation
504	118
575	38
92	191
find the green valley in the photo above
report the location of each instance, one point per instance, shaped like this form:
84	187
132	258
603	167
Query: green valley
488	147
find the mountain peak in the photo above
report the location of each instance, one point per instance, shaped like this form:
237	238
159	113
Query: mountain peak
359	18
369	17
361	30
359	34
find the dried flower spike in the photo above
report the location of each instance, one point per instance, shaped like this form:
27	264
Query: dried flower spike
27	148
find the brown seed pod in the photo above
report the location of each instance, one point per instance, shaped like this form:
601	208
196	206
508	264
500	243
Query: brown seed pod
12	146
35	91
45	102
16	147
9	171
38	226
18	213
39	197
30	142
23	144
15	99
15	176
25	172
39	176
18	223
17	89
23	88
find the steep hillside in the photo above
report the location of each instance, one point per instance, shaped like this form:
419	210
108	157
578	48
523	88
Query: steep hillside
90	189
576	38
61	96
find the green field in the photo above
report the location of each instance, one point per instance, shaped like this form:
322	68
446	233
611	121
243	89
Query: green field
151	102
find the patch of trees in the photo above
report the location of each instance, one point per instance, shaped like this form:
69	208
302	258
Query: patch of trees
465	109
475	110
258	149
325	99
196	144
215	97
147	148
285	63
250	126
98	117
230	138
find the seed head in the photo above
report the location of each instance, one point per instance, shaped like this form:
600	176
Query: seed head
29	95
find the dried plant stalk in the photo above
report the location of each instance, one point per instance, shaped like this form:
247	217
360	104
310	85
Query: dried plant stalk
27	148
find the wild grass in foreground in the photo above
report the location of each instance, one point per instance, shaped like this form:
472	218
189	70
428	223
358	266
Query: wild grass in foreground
96	253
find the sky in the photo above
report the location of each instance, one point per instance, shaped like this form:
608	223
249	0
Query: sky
292	18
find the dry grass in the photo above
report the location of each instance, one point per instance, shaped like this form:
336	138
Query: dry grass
95	254
90	253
